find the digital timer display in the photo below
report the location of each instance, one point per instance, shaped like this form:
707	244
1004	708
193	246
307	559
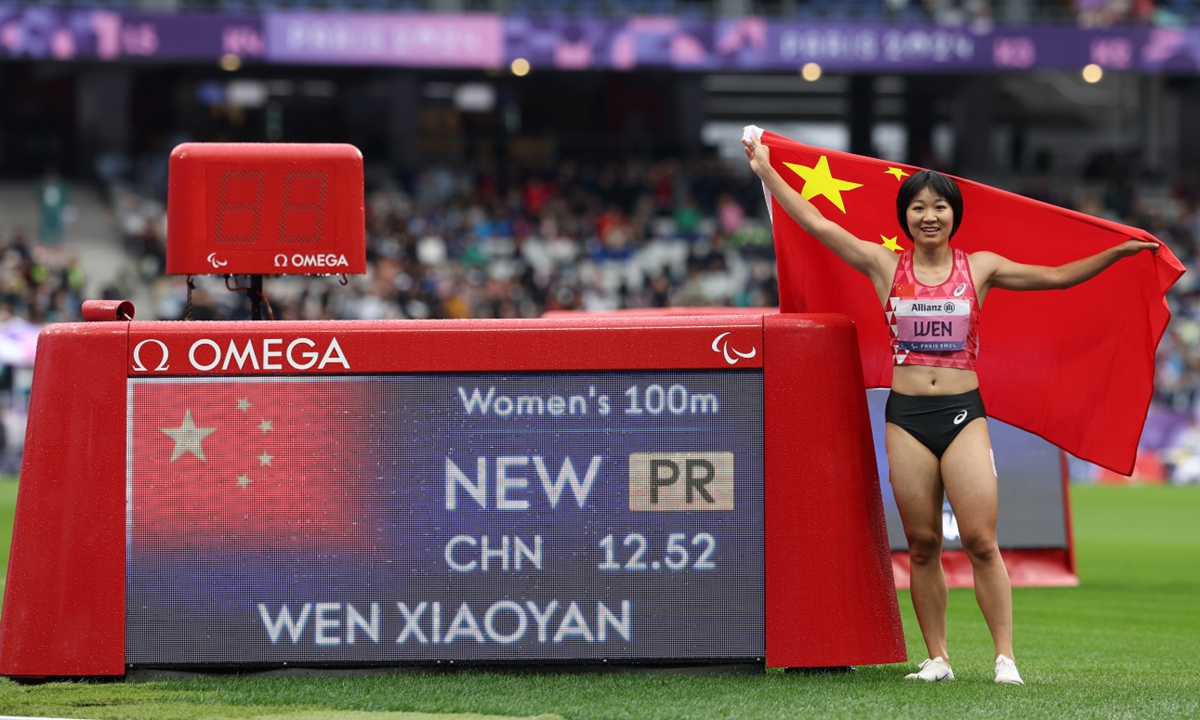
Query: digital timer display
474	516
297	214
266	209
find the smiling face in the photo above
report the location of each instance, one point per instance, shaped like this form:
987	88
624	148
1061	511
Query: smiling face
930	219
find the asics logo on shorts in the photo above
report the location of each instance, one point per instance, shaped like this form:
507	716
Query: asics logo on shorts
960	417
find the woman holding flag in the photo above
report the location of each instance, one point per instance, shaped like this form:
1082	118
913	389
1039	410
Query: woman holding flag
937	438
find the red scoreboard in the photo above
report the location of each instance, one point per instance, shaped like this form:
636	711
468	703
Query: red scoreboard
334	494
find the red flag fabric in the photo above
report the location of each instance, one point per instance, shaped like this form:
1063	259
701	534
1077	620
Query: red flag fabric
1074	366
250	463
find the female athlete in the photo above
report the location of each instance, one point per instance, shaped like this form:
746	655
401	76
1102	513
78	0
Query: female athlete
937	437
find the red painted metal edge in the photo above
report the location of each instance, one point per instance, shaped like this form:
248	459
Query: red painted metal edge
1026	568
663	312
568	344
64	603
830	599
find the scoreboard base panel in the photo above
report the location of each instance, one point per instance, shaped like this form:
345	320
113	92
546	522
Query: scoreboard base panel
678	666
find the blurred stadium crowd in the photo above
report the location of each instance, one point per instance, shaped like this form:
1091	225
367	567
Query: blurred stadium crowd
39	282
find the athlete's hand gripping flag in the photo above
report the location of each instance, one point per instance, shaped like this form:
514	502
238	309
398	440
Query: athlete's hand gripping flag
1074	366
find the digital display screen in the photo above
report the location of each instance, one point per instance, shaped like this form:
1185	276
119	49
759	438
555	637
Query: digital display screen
445	517
278	204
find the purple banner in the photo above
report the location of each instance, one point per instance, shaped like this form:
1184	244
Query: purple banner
1172	50
755	44
491	41
602	44
410	40
759	44
918	48
43	33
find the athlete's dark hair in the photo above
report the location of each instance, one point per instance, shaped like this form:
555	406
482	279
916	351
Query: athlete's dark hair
940	185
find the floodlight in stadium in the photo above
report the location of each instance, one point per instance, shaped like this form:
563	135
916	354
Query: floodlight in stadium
246	93
811	72
475	97
1092	73
520	67
230	62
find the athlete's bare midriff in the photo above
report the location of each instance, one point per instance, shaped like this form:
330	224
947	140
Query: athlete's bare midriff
930	380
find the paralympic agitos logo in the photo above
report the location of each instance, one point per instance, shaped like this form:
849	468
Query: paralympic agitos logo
208	355
721	345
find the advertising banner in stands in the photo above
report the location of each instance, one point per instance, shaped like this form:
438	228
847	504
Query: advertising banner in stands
488	41
880	47
409	40
602	44
1171	50
759	44
44	33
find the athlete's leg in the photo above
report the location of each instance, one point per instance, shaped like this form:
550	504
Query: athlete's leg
917	485
970	480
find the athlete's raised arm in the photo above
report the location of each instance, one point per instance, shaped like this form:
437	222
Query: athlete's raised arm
992	270
871	259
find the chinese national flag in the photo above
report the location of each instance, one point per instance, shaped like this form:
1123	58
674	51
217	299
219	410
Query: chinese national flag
252	464
1073	366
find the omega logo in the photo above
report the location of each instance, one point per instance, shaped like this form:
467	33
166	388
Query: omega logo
298	260
206	355
137	356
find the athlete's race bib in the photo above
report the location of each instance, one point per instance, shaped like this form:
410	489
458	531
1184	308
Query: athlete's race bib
932	325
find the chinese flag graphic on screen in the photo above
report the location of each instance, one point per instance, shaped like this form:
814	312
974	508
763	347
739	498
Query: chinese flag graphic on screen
257	464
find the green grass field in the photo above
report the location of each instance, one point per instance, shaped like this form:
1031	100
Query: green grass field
1124	644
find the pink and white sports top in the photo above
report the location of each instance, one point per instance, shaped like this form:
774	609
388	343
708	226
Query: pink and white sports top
934	324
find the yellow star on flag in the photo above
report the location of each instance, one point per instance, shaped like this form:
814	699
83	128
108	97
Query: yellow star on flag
243	404
264	460
265	426
890	243
243	481
187	438
900	174
819	181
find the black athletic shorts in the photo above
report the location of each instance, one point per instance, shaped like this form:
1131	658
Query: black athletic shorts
934	420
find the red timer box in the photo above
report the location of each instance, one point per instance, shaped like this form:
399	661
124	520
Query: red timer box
265	209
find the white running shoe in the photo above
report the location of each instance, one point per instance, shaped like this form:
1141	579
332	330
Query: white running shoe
1006	671
933	670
